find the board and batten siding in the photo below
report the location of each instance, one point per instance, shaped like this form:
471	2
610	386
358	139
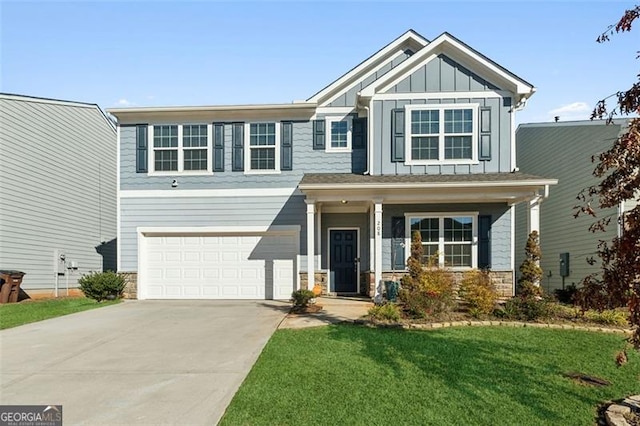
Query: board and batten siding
442	74
180	212
500	235
500	138
305	160
562	151
57	188
348	98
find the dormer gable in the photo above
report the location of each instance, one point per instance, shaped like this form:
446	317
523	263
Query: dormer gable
342	91
482	72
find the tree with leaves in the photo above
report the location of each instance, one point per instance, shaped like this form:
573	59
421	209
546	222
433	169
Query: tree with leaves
619	171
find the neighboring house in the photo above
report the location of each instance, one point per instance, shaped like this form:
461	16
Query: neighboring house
254	201
563	150
57	191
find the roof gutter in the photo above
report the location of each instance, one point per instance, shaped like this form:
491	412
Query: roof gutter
432	185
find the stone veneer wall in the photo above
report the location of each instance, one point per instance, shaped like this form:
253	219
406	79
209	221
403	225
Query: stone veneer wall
320	278
131	285
503	280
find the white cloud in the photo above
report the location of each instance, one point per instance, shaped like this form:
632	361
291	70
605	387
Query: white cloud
123	102
572	111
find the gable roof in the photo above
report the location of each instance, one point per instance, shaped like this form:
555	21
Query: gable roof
461	52
409	38
35	99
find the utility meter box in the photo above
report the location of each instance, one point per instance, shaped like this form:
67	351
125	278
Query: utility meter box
564	264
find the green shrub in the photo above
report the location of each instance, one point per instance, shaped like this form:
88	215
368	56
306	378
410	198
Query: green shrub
387	312
478	291
617	317
566	295
301	298
427	289
528	308
102	285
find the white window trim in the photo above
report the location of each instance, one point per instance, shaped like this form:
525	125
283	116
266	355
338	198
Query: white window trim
151	152
247	150
441	107
440	216
328	119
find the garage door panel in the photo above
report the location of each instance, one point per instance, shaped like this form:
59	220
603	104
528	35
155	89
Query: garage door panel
220	267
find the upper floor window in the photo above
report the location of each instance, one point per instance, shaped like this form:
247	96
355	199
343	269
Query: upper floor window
338	129
452	237
180	148
263	148
441	133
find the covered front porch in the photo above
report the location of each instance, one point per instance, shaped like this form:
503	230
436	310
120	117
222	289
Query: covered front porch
358	227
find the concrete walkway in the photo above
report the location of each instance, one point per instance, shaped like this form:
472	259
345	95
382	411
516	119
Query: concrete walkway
139	362
334	310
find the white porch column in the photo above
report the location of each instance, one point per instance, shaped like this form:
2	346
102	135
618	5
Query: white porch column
377	232
319	229
534	220
311	272
534	214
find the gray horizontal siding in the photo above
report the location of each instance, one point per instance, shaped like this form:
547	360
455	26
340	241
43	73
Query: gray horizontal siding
563	151
57	188
204	211
442	74
305	160
500	239
348	98
500	138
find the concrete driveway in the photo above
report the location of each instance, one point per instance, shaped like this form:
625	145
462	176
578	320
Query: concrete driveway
139	362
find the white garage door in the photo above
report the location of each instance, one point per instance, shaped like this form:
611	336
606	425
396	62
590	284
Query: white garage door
219	267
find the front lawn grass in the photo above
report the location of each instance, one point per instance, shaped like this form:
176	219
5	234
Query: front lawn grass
352	375
15	314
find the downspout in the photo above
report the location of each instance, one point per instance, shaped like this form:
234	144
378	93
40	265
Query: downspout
369	137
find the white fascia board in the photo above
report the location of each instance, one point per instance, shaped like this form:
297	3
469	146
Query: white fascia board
431	185
238	192
431	51
358	70
442	95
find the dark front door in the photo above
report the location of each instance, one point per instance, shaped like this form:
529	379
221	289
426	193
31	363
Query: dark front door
344	250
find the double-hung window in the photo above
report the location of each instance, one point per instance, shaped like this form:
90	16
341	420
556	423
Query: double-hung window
180	149
452	237
441	133
263	147
338	130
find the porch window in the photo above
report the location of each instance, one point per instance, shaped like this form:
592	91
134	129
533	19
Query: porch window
452	237
441	133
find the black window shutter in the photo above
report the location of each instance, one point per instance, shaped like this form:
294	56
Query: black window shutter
398	231
286	145
359	134
485	133
237	153
318	134
397	134
484	246
141	148
218	147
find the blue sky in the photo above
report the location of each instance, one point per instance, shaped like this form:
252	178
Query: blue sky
204	53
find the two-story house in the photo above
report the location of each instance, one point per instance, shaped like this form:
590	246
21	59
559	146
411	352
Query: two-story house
254	201
57	192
